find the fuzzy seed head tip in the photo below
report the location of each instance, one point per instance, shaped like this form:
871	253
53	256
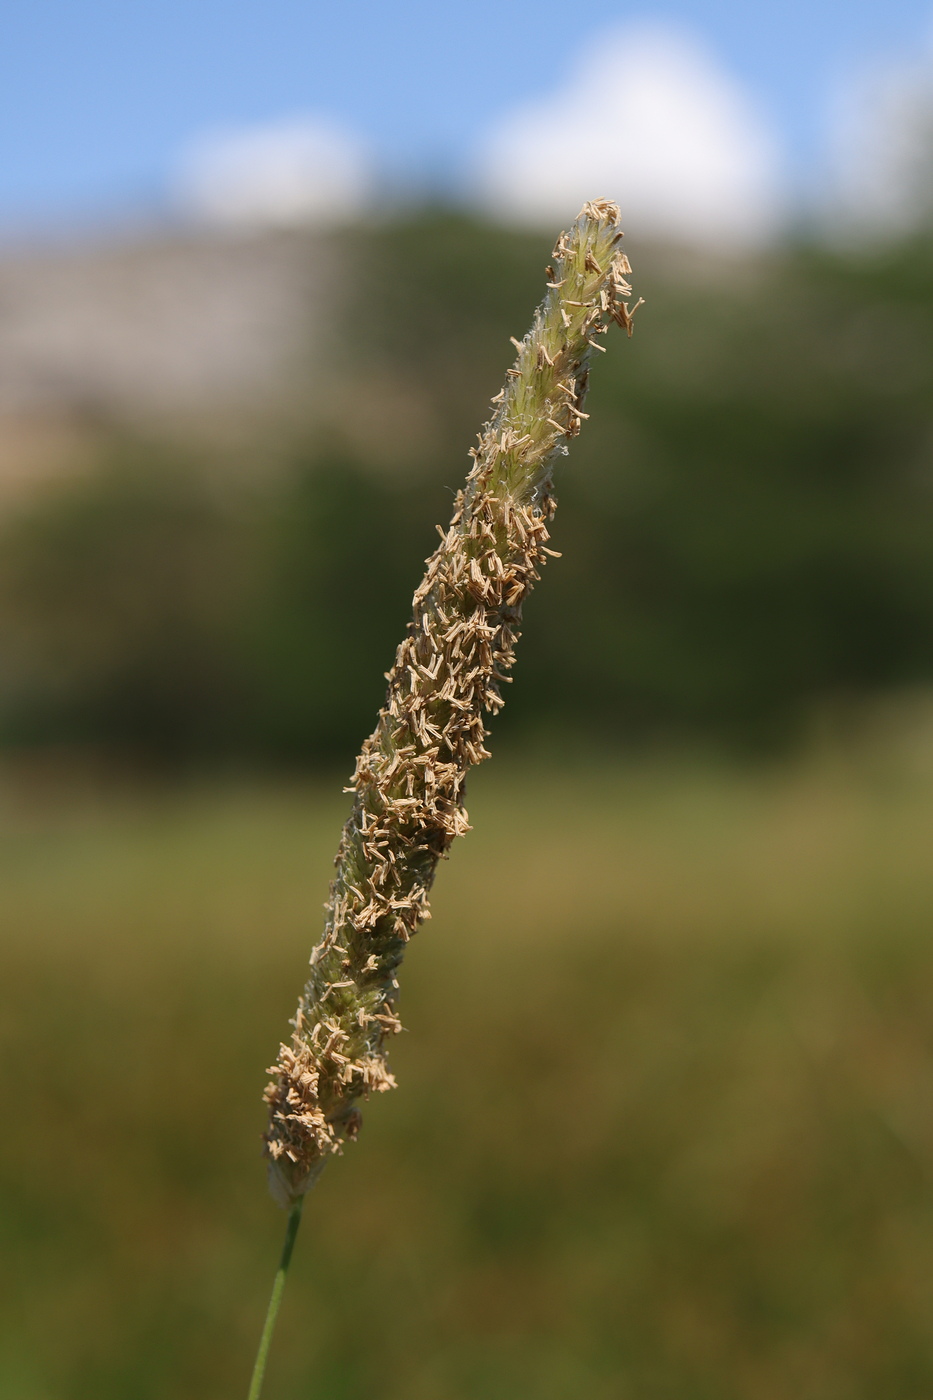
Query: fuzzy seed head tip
605	210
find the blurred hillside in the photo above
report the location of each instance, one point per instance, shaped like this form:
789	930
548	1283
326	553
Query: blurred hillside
186	332
243	446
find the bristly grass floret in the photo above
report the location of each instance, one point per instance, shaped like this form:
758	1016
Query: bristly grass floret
448	672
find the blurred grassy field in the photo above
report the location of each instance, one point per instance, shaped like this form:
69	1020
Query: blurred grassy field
665	1121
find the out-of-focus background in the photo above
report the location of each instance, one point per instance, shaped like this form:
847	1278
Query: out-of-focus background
665	1123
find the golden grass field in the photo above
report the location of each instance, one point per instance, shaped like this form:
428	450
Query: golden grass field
664	1128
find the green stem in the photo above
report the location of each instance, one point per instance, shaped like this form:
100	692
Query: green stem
278	1288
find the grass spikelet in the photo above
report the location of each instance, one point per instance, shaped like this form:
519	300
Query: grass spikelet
409	781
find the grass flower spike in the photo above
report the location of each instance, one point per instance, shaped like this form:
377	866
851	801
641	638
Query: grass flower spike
409	781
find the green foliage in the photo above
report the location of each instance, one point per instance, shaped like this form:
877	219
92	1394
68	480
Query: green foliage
119	600
747	520
342	556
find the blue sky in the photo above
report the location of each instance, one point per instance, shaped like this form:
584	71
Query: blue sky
98	97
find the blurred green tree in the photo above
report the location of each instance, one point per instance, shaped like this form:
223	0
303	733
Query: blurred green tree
749	518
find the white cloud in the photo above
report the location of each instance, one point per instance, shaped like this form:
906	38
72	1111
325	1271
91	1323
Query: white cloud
298	171
648	119
880	181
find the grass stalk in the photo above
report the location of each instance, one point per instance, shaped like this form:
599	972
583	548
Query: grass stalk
278	1288
410	777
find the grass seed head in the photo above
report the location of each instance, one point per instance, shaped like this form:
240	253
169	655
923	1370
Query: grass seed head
409	780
